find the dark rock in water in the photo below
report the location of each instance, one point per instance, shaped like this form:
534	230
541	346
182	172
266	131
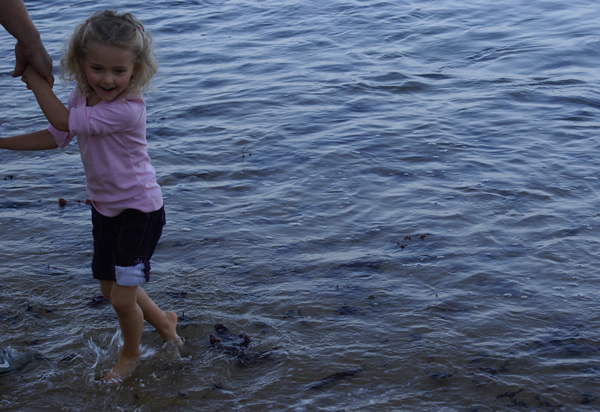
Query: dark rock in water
12	360
238	346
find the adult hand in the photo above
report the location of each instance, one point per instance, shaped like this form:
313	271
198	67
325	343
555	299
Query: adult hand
36	56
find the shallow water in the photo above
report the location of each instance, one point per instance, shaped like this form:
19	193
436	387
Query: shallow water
402	196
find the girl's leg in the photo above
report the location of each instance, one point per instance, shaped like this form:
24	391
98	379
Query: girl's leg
131	320
164	322
106	288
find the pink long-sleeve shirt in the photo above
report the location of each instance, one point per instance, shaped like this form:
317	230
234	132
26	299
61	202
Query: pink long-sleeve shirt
112	144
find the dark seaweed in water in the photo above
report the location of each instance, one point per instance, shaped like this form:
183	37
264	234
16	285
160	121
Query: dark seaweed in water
97	301
328	380
238	346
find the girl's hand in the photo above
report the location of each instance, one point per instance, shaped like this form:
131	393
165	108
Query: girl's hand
24	80
32	78
26	75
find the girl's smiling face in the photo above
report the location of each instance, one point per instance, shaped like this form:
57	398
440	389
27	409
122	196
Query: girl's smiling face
108	70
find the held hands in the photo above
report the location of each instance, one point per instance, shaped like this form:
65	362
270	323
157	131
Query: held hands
33	79
35	56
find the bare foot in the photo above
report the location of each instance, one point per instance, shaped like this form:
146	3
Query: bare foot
172	332
123	369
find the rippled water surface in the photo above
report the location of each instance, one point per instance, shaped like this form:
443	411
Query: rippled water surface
397	201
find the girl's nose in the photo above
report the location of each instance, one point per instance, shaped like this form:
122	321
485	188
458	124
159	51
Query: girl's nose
107	78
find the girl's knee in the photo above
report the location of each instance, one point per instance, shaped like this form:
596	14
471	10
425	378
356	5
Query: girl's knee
123	299
121	306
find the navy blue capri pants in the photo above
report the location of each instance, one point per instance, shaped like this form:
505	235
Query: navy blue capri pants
124	244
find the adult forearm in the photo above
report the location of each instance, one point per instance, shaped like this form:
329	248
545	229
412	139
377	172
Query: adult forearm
16	20
29	49
40	140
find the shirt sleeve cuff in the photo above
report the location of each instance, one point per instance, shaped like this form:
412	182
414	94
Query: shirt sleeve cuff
62	139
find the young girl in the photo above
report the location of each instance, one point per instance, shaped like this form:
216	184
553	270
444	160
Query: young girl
110	58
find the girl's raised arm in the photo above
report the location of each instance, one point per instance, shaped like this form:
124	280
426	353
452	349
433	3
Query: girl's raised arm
54	110
40	140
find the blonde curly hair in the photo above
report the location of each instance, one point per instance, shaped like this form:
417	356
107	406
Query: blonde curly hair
111	28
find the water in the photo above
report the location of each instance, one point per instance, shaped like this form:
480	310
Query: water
403	195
